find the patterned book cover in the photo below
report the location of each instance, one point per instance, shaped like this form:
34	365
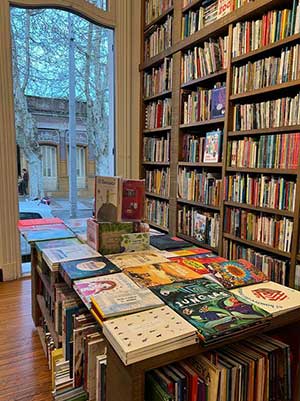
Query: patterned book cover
272	297
86	268
207	258
124	260
192	264
108	198
211	308
135	242
236	273
190	251
133	200
110	236
158	274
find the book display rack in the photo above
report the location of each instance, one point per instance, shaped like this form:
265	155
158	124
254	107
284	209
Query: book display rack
220	108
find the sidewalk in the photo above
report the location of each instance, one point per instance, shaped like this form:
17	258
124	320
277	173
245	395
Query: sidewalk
64	204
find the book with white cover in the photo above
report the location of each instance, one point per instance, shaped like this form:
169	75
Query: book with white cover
146	334
272	297
132	259
54	256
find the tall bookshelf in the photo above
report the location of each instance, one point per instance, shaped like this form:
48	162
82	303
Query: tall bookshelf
220	28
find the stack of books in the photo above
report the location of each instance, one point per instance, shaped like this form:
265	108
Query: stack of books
159	80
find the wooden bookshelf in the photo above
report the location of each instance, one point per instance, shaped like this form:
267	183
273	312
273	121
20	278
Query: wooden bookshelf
49	322
158	227
157	96
196	242
158	19
153	195
156	163
154	130
224	27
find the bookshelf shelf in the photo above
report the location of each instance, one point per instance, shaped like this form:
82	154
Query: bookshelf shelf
209	77
263	170
153	130
285	213
298	257
158	19
161	228
47	317
265	131
197	204
152	61
199	164
153	195
259	245
156	163
270	89
45	281
203	123
158	96
265	49
191	5
196	242
41	335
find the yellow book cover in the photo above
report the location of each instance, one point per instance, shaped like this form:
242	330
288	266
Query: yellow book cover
56	355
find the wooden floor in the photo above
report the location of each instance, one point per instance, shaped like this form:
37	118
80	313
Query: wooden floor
24	375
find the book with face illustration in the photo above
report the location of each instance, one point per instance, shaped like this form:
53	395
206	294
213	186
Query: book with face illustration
211	308
86	268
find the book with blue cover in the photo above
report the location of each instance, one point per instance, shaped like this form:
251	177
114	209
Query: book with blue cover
86	268
211	308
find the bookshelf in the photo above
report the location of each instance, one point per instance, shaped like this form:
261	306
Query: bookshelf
286	92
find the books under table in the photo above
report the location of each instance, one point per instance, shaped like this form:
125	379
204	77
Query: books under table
150	333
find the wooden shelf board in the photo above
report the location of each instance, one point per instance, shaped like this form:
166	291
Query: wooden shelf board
203	123
153	195
47	317
203	79
155	60
191	5
267	48
200	164
45	281
42	338
260	209
269	89
198	204
298	257
258	245
154	225
196	242
157	96
158	19
263	170
265	131
153	130
156	163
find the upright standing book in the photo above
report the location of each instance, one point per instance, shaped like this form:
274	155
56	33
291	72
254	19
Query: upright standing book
108	198
133	199
212	149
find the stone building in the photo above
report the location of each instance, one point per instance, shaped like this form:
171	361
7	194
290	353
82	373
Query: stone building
52	120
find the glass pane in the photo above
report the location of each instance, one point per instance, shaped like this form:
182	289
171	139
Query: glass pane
103	4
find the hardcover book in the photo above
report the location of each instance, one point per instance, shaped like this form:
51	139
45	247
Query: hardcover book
165	242
37	222
272	297
133	200
193	264
211	308
190	251
110	236
108	198
218	98
46	232
236	273
135	242
126	260
55	243
212	149
92	234
158	274
86	268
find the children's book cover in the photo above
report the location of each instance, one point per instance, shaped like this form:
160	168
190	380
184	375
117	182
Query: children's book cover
133	200
131	259
190	251
200	227
108	198
211	308
192	264
218	99
212	147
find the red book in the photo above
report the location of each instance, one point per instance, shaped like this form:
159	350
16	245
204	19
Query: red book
133	200
38	222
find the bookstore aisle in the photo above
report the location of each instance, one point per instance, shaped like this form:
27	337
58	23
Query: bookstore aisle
24	375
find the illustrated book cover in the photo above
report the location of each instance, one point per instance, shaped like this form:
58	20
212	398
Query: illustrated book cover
133	199
212	149
55	243
193	264
108	198
218	99
211	308
110	236
131	259
135	242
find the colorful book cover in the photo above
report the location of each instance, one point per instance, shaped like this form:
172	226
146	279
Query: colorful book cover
54	256
207	258
190	251
47	234
200	227
78	226
37	222
86	268
218	98
165	242
55	243
272	297
224	7
92	234
135	242
158	274
212	148
192	264
110	236
236	273
211	308
124	260
133	199
108	198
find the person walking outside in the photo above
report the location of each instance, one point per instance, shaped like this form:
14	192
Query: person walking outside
25	181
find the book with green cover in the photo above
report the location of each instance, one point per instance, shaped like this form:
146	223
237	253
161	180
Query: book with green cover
209	307
111	235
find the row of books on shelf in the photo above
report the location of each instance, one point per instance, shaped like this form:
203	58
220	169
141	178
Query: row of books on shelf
202	149
273	26
204	227
159	40
261	191
280	112
275	232
297	277
275	269
204	187
267	151
155	8
158	114
204	104
258	368
268	71
156	149
158	181
159	80
205	60
157	212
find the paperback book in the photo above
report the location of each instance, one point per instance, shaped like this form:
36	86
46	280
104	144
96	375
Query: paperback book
193	264
133	199
212	148
108	198
126	260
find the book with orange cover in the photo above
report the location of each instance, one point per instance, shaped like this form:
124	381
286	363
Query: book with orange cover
193	264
